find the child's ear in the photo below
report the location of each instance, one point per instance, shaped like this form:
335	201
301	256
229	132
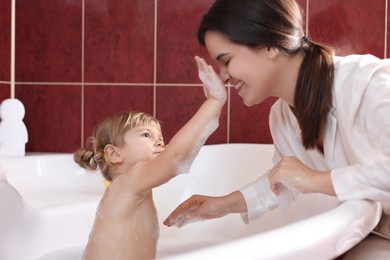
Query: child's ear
112	153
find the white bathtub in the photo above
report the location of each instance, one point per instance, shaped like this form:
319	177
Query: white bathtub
47	207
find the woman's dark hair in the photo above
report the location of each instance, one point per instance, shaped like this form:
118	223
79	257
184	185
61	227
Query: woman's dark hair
278	23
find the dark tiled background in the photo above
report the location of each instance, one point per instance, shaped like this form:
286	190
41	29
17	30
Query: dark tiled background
79	61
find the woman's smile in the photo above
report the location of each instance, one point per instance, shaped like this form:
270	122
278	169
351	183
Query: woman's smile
239	84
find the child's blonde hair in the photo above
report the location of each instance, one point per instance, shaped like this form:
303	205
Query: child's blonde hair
110	131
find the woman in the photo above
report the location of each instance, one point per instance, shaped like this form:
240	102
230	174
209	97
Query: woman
331	124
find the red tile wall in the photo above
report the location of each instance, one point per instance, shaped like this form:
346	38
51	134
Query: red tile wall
79	61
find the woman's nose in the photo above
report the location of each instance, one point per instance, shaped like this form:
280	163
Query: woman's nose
223	74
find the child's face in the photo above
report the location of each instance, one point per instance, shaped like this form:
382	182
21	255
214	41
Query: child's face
142	143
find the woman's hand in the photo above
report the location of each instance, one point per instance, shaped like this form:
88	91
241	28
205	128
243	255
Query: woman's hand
297	177
212	84
199	208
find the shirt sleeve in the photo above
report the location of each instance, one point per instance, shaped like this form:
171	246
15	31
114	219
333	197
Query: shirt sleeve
258	195
259	198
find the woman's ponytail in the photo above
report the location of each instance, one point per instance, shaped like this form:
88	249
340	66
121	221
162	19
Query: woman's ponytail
313	94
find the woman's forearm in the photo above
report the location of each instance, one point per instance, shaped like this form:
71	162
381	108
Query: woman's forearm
322	183
235	202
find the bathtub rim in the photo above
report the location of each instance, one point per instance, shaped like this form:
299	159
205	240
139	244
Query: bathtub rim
250	243
32	196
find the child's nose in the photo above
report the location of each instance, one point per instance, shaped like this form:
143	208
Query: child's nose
159	143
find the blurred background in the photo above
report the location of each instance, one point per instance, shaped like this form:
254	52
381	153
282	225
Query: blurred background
80	61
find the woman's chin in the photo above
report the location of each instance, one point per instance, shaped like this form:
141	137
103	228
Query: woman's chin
247	103
250	102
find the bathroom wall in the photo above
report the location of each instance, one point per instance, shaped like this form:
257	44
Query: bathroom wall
79	61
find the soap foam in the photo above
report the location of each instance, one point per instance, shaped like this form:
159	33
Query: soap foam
184	165
286	197
211	81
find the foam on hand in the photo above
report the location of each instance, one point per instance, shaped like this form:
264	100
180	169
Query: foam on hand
211	80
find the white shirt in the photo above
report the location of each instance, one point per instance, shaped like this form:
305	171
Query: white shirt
357	136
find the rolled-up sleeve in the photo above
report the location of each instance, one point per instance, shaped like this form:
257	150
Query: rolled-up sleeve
259	198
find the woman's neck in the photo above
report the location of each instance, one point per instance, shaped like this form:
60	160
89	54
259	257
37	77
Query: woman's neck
289	71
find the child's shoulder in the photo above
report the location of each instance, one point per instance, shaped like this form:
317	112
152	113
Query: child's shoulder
131	179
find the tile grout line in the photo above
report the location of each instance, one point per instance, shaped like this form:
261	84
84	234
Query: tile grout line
228	116
13	25
386	22
107	84
155	61
82	71
307	17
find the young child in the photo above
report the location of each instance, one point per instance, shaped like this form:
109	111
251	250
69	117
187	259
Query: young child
129	150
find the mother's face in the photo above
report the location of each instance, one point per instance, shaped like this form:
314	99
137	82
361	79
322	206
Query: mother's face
252	71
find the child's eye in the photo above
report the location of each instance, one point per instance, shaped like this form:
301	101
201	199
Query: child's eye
226	62
147	135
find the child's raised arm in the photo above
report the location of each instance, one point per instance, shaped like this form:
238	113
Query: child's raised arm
186	143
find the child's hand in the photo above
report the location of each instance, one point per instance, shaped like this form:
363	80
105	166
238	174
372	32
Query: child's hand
212	84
